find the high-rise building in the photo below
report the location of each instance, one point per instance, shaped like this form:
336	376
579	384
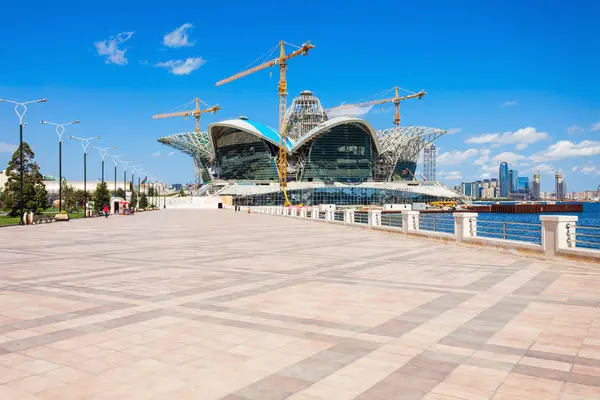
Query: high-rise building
523	185
513	177
503	178
429	162
535	187
559	190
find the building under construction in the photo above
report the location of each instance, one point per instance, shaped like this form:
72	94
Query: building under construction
340	160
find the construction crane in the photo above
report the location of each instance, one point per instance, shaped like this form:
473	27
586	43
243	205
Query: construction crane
396	100
282	91
195	113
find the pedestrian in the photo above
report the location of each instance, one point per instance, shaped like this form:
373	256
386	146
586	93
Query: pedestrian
106	211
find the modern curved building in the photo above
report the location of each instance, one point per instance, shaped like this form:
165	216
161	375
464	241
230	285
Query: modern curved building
239	157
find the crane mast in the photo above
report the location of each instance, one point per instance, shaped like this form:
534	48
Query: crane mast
195	113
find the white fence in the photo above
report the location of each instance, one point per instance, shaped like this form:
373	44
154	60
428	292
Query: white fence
554	236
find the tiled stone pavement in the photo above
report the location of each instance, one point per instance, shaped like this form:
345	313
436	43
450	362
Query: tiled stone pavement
222	305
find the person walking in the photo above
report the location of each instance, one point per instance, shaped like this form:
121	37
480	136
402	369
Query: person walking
106	211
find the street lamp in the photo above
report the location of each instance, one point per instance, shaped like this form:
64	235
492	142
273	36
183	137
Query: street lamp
21	110
116	161
133	169
85	143
125	166
60	129
103	153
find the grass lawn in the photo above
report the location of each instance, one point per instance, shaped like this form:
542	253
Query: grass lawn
6	220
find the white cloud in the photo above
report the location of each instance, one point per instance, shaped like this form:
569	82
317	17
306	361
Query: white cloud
508	104
179	37
455	157
574	169
485	138
595	127
486	175
450	175
521	146
567	149
182	67
509	157
544	169
156	154
453	131
7	147
111	50
589	169
574	129
484	157
349	111
171	153
520	138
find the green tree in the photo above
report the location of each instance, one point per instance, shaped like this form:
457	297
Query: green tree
35	196
101	196
120	193
134	199
143	201
151	191
182	193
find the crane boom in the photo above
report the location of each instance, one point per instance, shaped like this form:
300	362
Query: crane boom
396	100
195	113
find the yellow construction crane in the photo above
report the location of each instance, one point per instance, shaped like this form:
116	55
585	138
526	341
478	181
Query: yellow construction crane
195	113
396	100
282	91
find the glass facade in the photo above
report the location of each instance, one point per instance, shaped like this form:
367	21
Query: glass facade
241	155
343	154
513	176
523	184
503	178
339	196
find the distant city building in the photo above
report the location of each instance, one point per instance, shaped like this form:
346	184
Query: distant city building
523	185
177	186
560	187
513	177
429	162
503	179
486	189
535	187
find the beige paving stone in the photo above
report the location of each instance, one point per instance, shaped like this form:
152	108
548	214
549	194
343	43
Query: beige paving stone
209	305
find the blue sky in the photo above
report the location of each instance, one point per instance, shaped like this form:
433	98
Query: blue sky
516	80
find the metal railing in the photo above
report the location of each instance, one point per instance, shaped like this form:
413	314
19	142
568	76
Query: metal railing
338	216
520	231
361	217
391	219
309	213
436	223
583	236
321	214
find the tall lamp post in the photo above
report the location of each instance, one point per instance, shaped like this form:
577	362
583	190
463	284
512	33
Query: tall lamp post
21	110
165	195
103	154
125	166
85	143
116	161
133	169
60	129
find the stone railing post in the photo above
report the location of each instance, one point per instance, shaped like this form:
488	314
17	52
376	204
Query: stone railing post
293	212
558	232
348	216
410	221
329	215
303	212
374	217
315	213
465	225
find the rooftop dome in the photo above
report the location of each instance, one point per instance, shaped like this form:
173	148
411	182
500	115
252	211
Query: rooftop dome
304	114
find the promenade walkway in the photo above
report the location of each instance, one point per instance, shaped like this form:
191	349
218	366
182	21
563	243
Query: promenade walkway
220	305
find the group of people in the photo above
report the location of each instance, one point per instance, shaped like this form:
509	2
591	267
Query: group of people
106	211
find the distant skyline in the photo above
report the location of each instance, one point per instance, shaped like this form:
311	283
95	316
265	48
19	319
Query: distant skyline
512	81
